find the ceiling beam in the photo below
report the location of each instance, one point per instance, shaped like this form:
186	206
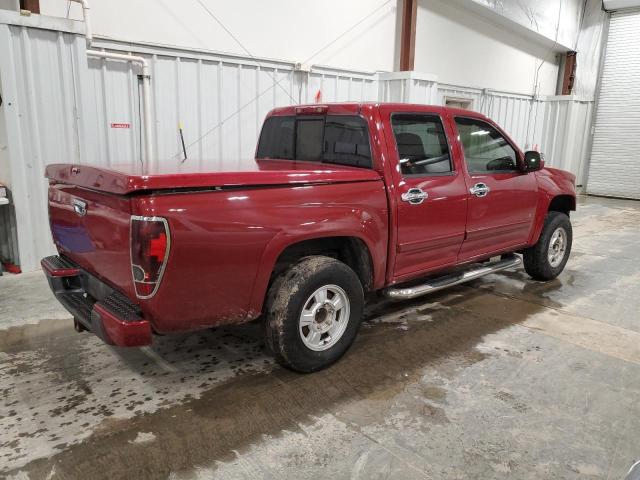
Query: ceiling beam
408	35
32	5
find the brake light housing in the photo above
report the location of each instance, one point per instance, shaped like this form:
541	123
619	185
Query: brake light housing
312	110
150	246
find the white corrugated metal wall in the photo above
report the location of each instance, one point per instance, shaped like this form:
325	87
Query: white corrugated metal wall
614	169
63	106
408	87
566	135
220	100
39	71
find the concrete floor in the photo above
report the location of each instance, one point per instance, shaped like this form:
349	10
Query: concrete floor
501	378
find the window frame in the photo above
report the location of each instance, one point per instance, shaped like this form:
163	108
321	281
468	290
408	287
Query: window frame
503	134
452	163
371	166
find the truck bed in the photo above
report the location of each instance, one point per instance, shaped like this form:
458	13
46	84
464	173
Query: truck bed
225	229
127	179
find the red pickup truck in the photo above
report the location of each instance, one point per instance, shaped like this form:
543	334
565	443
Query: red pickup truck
341	200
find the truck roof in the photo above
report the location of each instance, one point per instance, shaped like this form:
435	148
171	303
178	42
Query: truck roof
355	108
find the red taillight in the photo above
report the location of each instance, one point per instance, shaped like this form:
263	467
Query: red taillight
150	241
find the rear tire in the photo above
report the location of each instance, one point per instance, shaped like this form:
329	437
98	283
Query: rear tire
313	313
546	259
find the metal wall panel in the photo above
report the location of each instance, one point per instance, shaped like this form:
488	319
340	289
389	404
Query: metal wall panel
615	162
38	72
408	87
566	134
220	100
516	115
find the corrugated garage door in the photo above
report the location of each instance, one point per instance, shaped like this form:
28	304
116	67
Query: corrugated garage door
615	158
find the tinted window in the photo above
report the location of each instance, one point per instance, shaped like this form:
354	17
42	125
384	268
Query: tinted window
276	139
341	139
346	141
309	134
485	149
422	144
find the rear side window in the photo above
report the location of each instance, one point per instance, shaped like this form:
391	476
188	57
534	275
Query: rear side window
346	141
276	139
340	139
422	144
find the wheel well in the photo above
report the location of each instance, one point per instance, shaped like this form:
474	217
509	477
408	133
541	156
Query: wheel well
563	203
349	250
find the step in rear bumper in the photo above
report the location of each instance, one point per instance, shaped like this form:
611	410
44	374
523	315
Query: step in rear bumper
112	316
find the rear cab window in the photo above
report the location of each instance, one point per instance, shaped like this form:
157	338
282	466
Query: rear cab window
336	139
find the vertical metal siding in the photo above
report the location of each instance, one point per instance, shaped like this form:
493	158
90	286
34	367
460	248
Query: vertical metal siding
42	116
565	135
220	101
615	162
407	87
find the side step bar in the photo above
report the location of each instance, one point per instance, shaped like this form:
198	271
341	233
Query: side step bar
440	283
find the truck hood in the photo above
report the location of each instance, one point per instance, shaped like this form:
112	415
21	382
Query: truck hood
124	179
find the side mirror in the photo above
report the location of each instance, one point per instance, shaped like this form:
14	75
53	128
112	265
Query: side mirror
533	161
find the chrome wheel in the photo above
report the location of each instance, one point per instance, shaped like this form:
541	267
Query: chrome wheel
557	247
324	318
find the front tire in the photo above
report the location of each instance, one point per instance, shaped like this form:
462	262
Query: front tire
313	313
547	258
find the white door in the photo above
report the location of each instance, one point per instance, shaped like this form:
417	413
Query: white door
614	169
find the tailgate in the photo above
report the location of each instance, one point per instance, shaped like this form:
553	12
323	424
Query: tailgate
92	229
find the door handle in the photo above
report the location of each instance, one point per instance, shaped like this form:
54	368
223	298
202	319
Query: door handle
480	190
415	196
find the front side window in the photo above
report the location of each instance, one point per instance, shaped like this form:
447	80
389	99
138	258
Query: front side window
340	139
485	149
422	144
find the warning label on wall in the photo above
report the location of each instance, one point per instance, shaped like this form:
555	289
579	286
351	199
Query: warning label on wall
120	125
